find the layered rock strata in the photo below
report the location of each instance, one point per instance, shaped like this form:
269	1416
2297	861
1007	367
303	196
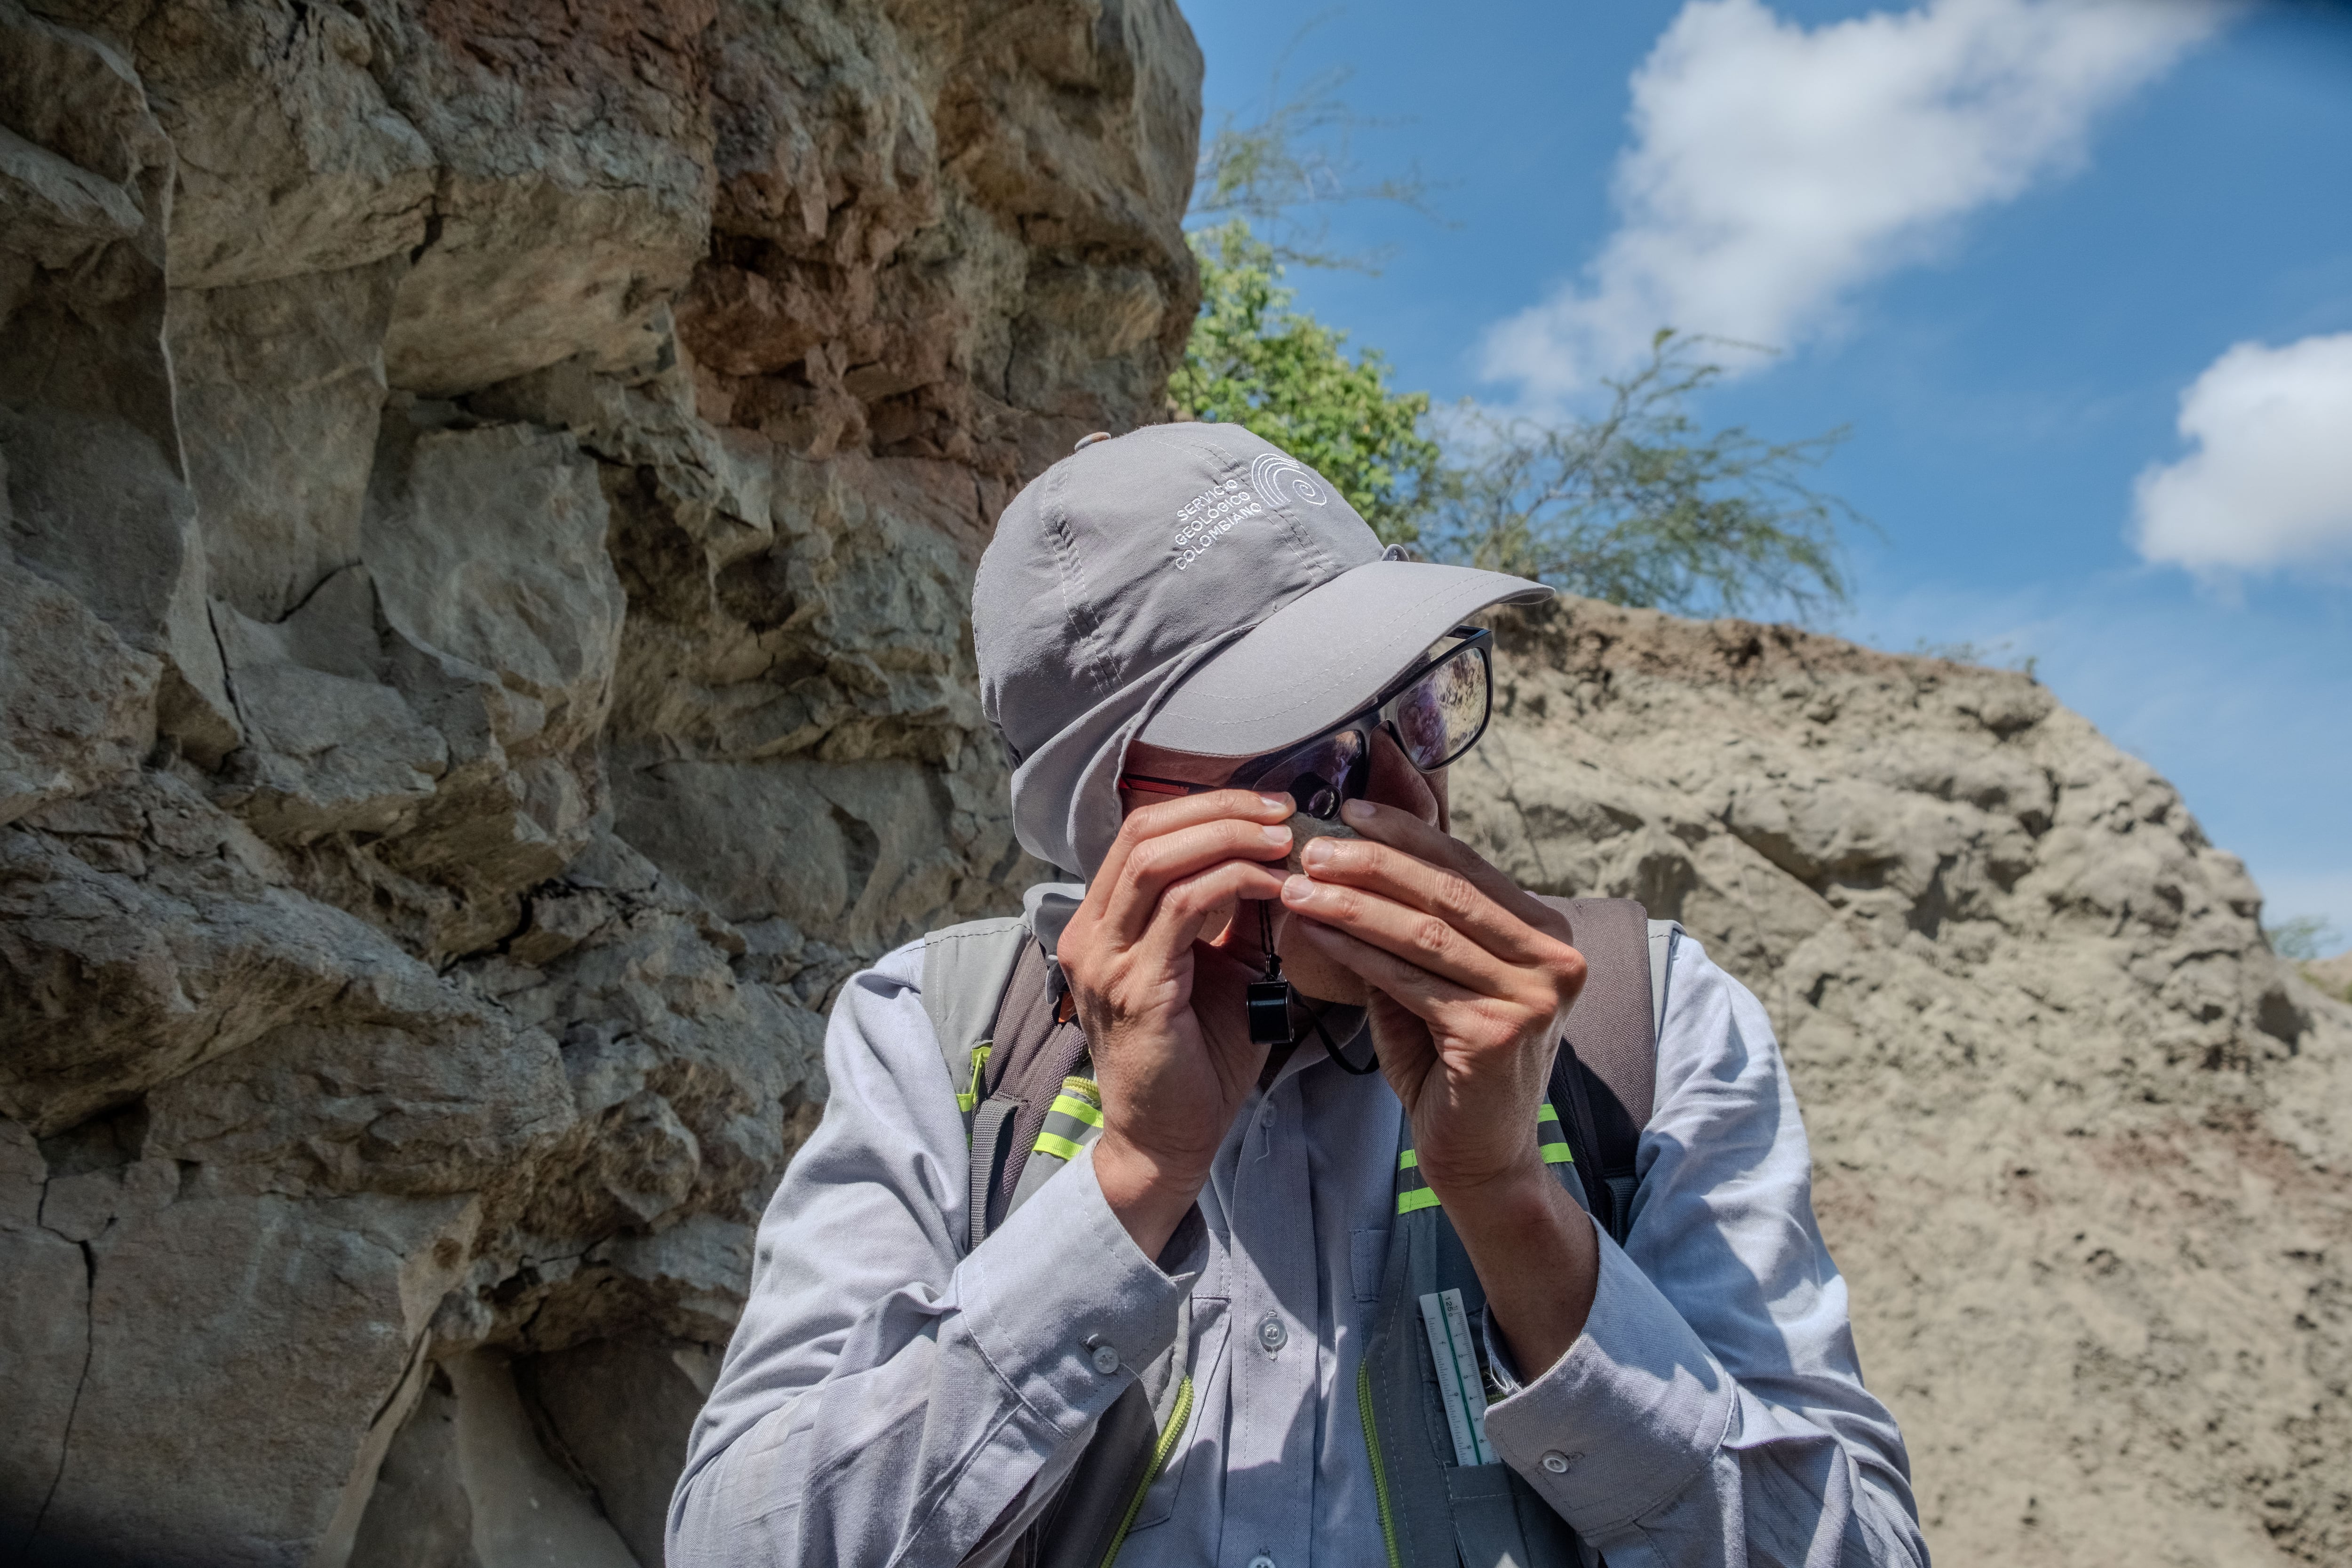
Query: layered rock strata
490	495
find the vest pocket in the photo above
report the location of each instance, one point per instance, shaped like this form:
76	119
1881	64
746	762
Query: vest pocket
1367	1253
1210	1323
1486	1521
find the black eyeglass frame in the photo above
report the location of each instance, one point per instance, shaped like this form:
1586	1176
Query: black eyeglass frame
1476	641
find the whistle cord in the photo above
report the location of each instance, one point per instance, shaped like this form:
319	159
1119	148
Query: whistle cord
1314	1014
1278	1052
1371	1057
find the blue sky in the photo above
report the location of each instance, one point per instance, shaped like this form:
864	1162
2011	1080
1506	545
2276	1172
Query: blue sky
2002	240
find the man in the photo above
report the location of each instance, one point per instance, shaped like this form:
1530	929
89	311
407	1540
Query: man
1184	636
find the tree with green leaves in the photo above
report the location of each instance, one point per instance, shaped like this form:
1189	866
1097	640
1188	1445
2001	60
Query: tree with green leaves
1253	361
2303	938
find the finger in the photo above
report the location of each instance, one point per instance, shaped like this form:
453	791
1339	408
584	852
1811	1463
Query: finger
1431	998
1147	822
1424	940
1191	906
1444	891
1443	1013
1402	830
1180	849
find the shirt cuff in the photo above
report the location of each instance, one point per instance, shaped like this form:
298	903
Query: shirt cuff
1627	1419
1064	1304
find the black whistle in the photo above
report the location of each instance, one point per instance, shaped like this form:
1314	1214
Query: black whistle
1269	1012
1269	999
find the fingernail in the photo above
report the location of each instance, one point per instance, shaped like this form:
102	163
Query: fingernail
1357	811
1297	889
1277	833
1276	801
1318	853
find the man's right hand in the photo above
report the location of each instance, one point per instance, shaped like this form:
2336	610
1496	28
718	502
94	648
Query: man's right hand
1162	1009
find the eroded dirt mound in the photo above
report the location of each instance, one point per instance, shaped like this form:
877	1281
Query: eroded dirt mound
2083	1146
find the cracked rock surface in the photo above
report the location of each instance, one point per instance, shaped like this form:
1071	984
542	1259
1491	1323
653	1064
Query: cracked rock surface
488	495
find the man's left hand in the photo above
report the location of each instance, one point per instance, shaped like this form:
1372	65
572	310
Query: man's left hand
1471	982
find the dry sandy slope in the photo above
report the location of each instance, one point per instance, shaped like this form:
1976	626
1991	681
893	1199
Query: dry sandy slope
2081	1142
2332	975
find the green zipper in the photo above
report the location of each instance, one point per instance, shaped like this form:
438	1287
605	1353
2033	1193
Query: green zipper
969	1098
1160	1452
1380	1470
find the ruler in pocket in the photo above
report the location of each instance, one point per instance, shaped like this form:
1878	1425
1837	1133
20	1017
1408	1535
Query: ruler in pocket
1457	1376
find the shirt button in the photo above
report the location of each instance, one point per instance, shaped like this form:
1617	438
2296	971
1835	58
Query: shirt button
1261	1560
1106	1360
1556	1462
1273	1336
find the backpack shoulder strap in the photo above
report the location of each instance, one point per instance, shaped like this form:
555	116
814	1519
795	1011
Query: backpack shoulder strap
1665	936
1604	1078
966	969
1034	1095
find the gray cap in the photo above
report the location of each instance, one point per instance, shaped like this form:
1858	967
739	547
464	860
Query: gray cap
1197	588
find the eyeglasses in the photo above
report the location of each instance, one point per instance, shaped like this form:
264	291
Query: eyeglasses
1434	711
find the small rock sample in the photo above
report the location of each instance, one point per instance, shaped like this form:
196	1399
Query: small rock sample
1305	830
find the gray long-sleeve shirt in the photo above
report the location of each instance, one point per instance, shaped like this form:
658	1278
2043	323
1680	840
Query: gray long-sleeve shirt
886	1397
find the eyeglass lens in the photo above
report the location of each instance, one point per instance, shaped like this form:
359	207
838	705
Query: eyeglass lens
1439	715
1320	774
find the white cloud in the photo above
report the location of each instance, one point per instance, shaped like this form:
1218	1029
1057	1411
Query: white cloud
2270	479
1774	169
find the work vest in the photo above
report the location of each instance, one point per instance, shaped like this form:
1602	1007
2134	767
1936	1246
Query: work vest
1019	1070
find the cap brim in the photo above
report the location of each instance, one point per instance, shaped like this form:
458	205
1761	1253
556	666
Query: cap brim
1323	655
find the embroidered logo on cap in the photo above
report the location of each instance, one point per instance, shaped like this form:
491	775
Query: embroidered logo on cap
1272	474
1273	480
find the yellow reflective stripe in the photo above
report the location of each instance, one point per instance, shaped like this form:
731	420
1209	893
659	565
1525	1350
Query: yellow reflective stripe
1418	1196
1078	1109
1059	1147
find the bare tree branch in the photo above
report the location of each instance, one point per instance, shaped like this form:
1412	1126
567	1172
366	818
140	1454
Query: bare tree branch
1297	157
1640	506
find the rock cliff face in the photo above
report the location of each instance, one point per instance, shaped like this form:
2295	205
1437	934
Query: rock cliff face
490	492
2082	1146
